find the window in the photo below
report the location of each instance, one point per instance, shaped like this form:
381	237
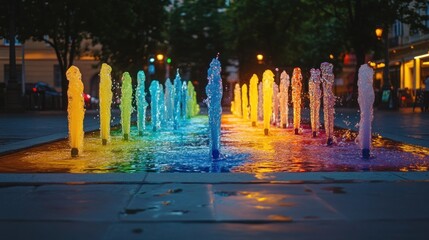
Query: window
397	28
57	76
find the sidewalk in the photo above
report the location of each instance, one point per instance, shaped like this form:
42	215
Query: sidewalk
403	125
365	205
23	130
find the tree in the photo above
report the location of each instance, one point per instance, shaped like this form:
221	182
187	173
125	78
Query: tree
129	31
60	24
356	20
195	37
280	30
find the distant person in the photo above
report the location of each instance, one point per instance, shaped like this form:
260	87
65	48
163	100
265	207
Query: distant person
426	95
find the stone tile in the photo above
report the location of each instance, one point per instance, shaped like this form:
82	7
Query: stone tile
67	202
361	176
377	201
350	230
418	176
269	202
170	202
15	177
53	230
200	177
89	177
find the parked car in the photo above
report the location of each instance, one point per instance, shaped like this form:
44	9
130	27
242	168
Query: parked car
42	96
90	101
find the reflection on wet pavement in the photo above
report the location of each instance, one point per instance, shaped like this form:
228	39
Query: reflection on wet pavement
244	149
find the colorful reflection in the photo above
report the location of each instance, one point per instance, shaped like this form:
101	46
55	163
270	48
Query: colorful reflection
245	149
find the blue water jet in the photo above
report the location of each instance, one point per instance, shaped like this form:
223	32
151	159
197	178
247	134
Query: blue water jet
141	102
154	104
177	99
214	97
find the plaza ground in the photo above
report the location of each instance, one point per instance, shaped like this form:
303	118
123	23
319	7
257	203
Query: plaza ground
322	205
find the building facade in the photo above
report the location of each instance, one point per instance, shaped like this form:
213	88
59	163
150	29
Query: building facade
37	62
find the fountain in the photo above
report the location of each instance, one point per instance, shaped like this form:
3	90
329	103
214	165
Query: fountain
315	93
366	100
161	107
245	102
154	90
296	98
189	100
214	97
191	103
105	93
177	99
268	81
141	102
126	104
237	101
328	101
276	104
253	94
244	148
75	109
261	101
184	98
284	99
169	100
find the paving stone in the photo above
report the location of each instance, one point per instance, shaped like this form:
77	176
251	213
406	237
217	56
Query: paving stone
170	202
67	202
377	201
53	230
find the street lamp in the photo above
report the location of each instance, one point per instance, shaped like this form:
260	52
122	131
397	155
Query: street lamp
160	57
260	57
379	32
388	95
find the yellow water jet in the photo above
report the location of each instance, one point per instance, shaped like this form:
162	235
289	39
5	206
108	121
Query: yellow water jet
105	93
245	102
75	109
253	94
268	81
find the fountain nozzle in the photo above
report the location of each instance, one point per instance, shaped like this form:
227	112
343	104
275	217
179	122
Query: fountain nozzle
215	153
296	131
266	131
74	152
104	141
365	153
253	124
126	137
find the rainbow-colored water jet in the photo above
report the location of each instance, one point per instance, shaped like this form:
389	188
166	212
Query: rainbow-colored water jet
105	93
315	93
268	81
296	98
253	95
75	109
328	101
366	100
126	104
284	99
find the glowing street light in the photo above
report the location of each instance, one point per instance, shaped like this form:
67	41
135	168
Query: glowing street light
160	57
260	57
379	32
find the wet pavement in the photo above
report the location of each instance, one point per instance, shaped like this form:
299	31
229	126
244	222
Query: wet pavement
318	205
383	205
